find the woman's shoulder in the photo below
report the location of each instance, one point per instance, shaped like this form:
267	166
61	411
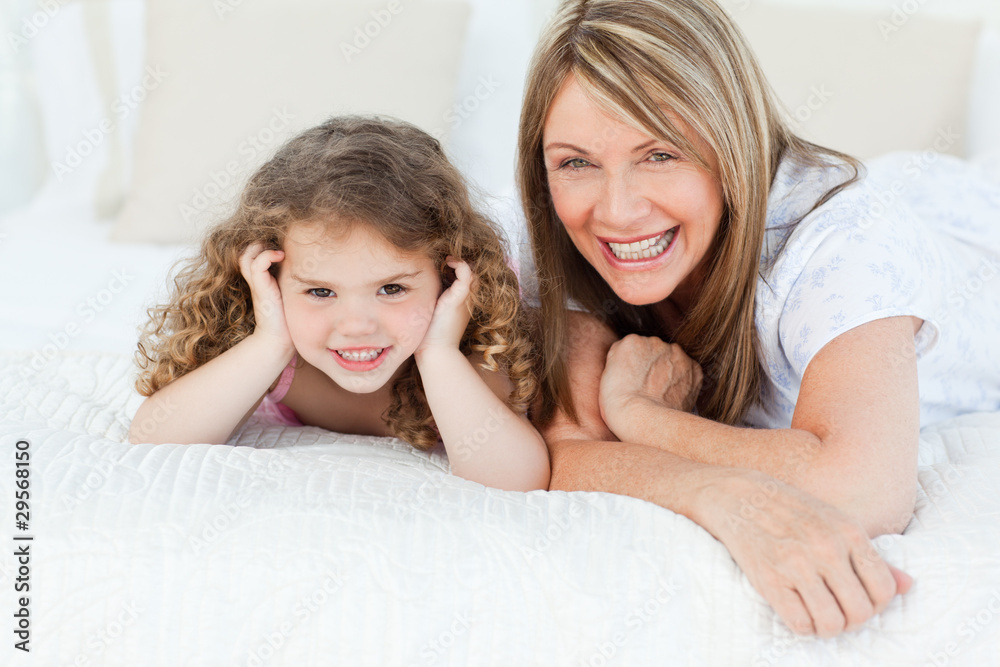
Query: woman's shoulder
798	187
861	255
865	218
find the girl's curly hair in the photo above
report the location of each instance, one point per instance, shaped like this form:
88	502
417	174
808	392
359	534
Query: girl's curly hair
387	175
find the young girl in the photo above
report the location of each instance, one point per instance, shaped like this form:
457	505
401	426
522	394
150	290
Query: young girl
355	289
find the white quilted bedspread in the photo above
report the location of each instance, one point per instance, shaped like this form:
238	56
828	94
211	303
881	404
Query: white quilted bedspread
304	547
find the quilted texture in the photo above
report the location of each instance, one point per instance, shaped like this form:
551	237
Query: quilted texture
298	546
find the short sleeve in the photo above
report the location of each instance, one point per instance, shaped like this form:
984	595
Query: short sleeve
851	262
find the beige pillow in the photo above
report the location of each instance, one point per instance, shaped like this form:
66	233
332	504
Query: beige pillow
229	80
866	83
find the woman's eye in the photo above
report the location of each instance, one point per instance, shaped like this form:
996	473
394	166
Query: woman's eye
661	157
391	290
576	163
321	292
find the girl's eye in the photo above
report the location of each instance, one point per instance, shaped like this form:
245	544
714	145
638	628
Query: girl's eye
391	290
576	163
320	292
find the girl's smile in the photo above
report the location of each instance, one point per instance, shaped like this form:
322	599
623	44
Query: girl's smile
360	359
356	306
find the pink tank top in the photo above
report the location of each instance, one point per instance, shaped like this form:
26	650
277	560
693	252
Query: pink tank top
271	406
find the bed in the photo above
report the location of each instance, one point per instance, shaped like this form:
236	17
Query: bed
298	546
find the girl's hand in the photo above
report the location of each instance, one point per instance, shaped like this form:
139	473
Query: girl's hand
268	310
814	564
640	368
451	313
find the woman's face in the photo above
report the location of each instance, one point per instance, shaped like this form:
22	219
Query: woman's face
641	212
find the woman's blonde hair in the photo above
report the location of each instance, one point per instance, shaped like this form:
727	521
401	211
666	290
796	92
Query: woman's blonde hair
635	58
388	176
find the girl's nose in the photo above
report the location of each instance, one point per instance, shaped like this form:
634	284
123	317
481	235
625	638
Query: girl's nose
356	321
621	203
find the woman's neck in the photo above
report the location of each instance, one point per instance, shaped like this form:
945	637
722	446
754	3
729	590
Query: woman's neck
674	309
669	317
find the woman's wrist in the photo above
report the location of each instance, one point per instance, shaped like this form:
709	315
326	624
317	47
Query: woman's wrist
635	415
726	498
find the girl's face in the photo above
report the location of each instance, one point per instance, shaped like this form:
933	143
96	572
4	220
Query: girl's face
356	306
636	208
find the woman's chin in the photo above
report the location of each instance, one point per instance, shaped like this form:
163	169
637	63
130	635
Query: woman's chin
642	301
642	293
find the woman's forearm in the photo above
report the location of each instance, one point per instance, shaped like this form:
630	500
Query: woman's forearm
858	485
628	469
207	404
718	498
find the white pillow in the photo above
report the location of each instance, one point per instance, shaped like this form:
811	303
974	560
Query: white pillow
857	82
227	82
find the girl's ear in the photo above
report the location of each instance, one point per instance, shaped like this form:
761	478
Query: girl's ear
447	276
274	269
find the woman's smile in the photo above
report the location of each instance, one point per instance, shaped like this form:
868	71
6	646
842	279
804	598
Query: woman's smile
636	252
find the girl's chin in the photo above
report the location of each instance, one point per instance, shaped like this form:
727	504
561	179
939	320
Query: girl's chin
359	385
367	382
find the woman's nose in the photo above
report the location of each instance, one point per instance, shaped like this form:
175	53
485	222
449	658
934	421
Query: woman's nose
621	202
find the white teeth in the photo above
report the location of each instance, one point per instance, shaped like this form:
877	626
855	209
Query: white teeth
360	355
645	249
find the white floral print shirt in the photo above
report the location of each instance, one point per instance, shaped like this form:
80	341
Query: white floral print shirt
919	236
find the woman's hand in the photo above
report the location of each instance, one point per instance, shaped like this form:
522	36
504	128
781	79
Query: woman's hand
640	368
810	561
268	311
451	313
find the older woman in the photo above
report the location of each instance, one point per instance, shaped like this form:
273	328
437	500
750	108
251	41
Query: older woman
668	200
